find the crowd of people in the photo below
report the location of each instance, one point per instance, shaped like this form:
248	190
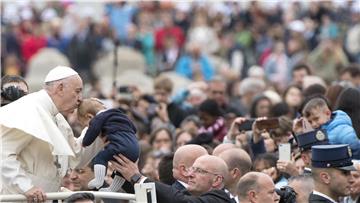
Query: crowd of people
263	76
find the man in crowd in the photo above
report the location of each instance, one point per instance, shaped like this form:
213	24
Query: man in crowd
80	198
305	141
239	163
303	185
206	181
331	166
80	177
217	90
184	158
33	142
222	147
256	187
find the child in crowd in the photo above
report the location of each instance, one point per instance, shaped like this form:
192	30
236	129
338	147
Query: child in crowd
337	124
212	120
116	128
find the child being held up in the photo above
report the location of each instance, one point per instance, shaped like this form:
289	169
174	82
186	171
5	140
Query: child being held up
337	124
115	127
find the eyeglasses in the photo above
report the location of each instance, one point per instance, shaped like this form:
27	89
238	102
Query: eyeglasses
202	171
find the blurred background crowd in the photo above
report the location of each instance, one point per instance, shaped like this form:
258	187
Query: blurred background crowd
184	70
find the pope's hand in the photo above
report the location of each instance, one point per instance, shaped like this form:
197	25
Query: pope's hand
35	194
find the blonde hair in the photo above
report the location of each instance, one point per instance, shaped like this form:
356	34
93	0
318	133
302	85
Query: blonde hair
313	104
164	83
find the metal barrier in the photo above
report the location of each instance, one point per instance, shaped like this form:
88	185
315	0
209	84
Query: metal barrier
144	193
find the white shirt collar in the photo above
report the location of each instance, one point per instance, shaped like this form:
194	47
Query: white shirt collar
183	184
325	196
232	196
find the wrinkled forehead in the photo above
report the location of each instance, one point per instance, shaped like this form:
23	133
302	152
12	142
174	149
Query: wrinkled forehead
205	163
74	81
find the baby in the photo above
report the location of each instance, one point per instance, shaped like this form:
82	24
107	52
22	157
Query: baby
116	128
337	124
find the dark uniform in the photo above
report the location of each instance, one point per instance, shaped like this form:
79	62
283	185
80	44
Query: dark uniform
316	137
330	156
306	140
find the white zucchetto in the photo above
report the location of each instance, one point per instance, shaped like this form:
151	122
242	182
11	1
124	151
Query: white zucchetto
59	72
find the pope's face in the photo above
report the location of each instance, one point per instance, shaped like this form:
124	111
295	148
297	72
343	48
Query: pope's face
72	94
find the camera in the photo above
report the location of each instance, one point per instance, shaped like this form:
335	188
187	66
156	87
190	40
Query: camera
10	94
287	194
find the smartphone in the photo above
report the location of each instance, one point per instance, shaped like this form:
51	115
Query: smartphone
124	89
268	124
285	152
247	125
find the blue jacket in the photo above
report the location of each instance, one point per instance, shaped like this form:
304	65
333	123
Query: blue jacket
341	131
184	67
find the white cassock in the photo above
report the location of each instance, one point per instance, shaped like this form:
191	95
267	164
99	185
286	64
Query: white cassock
35	145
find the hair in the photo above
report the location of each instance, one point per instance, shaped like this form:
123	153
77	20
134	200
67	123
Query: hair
240	160
12	92
163	82
315	173
306	180
314	89
353	70
211	107
289	87
311	80
12	78
248	182
217	79
301	178
165	169
255	102
349	102
280	109
90	105
192	118
332	94
312	104
269	158
302	66
285	125
80	197
251	85
156	131
180	132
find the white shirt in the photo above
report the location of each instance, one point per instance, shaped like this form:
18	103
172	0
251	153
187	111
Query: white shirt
232	196
183	184
348	199
325	196
31	141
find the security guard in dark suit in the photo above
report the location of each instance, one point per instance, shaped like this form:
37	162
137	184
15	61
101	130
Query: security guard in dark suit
305	141
331	166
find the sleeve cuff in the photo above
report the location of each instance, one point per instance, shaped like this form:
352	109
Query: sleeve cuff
226	140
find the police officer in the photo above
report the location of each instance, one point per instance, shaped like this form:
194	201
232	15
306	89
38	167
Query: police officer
305	141
331	166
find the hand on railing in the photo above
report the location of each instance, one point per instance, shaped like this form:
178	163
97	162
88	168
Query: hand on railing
35	194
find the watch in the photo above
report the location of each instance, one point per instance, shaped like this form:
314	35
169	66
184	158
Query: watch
135	178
